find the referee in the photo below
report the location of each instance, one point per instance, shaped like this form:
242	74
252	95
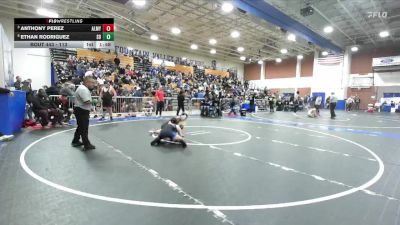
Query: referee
83	104
332	105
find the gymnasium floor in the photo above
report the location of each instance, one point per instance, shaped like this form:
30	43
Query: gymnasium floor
263	169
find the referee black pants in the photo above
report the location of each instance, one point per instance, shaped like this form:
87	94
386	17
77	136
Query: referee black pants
160	107
82	130
332	107
180	106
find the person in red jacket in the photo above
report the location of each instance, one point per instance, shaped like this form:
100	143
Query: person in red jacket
160	100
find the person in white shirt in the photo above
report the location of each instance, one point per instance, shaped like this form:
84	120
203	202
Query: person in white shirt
349	103
317	104
332	104
83	104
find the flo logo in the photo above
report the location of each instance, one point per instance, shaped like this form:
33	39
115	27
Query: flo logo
377	15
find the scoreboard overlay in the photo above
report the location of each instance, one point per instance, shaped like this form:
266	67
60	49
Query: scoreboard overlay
64	33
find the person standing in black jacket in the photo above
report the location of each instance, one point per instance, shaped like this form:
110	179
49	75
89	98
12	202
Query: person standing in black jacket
181	102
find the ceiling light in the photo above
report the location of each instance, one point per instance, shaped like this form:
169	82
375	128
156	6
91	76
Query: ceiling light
354	48
278	60
132	28
139	2
324	53
291	37
240	49
194	46
176	30
48	1
383	34
235	34
328	29
212	41
300	56
283	50
213	51
183	58
46	13
260	61
154	37
227	7
242	58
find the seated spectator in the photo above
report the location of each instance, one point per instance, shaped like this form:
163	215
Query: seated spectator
27	85
137	92
45	110
53	90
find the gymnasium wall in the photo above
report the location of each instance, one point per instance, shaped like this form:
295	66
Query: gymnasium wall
364	94
285	69
307	66
304	91
361	62
252	71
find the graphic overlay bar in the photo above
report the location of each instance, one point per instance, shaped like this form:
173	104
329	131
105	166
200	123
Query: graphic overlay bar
64	33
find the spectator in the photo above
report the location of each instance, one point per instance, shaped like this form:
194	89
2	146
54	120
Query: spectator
45	110
117	61
252	101
232	106
271	103
160	100
181	102
349	103
296	102
137	92
357	102
54	89
27	85
18	83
